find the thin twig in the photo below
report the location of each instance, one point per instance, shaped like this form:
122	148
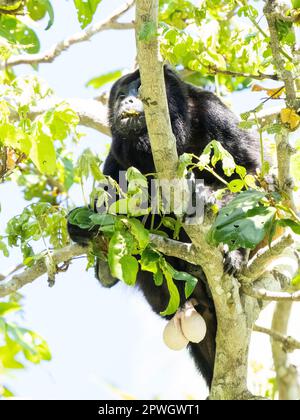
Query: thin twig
263	294
285	75
11	271
286	373
39	268
257	266
259	76
50	55
166	246
289	343
91	113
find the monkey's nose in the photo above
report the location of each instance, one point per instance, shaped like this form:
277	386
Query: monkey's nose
129	101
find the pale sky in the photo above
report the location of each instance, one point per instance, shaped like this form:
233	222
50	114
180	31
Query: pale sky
99	338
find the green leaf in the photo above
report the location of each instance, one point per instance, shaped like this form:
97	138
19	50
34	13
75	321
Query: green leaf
296	281
104	221
10	5
135	176
119	207
7	307
191	282
98	82
43	152
17	32
8	352
33	346
236	185
38	9
3	248
88	164
169	223
241	171
86	10
121	244
244	222
291	224
150	258
130	268
5	392
140	233
61	120
213	58
219	154
174	302
296	4
185	160
68	173
15	138
82	217
158	277
246	125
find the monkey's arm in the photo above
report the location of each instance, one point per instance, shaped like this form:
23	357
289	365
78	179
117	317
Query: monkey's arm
85	236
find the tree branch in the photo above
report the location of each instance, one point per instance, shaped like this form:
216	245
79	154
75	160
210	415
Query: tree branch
259	76
233	329
11	271
169	247
289	343
286	374
92	113
39	268
267	116
260	262
284	154
270	11
263	294
154	96
183	251
284	149
50	55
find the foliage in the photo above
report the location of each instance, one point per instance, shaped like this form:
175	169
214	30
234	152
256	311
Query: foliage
130	246
36	151
86	10
18	345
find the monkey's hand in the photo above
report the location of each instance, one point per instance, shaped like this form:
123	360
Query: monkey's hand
84	236
234	261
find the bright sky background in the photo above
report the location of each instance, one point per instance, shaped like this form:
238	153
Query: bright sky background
99	338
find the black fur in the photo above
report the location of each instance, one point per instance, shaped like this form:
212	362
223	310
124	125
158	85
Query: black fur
197	117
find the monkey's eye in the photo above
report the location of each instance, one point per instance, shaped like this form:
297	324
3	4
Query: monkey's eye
121	96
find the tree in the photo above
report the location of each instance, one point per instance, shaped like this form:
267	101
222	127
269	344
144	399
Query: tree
35	128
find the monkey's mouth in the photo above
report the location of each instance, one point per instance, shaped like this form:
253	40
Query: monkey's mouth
132	120
131	114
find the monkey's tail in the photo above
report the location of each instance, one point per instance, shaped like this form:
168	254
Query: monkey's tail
102	274
204	353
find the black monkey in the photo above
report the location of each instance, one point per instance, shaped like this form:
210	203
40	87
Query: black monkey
197	118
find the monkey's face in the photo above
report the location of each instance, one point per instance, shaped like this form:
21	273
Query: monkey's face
126	109
127	115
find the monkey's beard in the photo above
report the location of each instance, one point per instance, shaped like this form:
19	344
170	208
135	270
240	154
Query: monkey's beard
127	123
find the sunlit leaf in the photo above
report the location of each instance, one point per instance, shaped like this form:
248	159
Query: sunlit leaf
86	10
290	117
98	82
17	32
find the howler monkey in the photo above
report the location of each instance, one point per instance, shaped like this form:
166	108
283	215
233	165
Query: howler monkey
197	118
